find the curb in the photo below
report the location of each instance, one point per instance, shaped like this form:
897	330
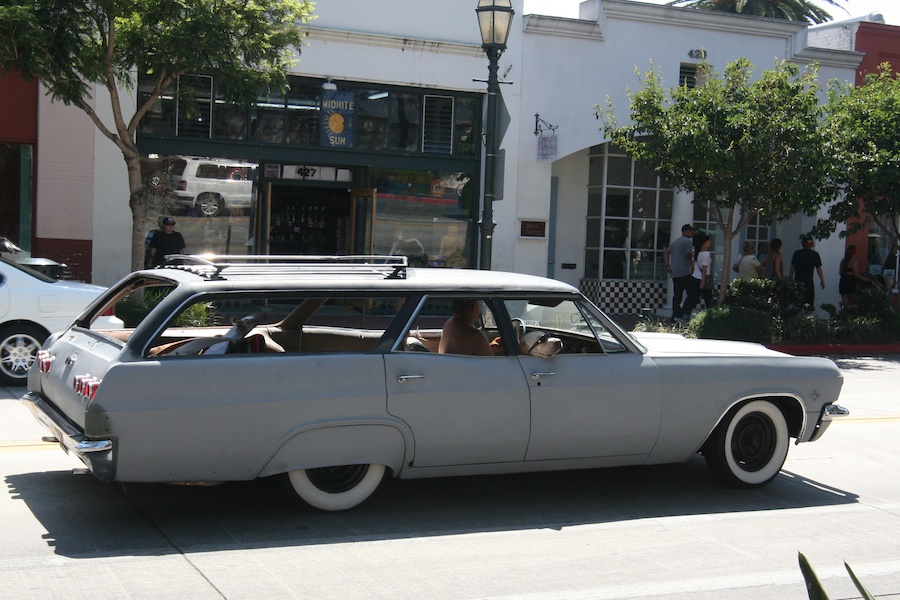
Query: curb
836	349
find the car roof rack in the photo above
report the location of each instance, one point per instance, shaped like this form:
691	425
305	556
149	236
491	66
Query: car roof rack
220	266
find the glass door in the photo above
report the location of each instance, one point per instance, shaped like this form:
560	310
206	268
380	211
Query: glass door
362	221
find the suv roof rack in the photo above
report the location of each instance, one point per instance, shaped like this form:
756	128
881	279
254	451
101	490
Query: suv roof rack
218	266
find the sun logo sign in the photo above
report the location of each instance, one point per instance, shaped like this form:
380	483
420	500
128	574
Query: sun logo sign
337	119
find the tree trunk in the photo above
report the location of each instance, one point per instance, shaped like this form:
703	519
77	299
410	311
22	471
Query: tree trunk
727	236
138	204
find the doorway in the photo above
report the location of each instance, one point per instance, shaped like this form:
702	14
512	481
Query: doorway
317	221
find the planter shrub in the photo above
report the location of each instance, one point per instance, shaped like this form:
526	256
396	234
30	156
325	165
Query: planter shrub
730	322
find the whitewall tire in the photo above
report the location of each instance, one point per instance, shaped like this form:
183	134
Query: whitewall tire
336	488
749	446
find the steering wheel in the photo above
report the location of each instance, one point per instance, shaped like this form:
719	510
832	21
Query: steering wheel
519	327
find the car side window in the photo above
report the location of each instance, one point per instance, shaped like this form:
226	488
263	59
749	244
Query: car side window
432	322
569	321
277	323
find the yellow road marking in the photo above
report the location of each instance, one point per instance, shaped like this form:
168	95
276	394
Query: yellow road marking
22	446
867	420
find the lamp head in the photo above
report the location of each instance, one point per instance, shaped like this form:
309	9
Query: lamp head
494	20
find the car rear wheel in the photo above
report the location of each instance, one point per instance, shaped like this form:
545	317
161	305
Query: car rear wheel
19	345
210	204
749	446
335	488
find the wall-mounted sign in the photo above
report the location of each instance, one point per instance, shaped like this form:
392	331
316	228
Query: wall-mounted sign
546	149
533	229
318	173
337	119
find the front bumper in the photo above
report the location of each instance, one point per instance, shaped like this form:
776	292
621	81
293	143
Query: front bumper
829	413
97	455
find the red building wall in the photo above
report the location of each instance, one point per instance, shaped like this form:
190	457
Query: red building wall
18	109
880	43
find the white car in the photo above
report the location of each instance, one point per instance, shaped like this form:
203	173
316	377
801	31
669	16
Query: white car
33	306
212	185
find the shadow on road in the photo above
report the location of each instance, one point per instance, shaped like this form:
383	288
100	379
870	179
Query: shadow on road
868	363
85	518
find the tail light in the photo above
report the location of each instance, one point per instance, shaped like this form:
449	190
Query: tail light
109	312
182	185
86	385
45	361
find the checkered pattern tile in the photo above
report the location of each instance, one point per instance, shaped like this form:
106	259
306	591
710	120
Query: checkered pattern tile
621	297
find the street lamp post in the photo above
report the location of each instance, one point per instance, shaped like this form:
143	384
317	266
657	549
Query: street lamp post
494	19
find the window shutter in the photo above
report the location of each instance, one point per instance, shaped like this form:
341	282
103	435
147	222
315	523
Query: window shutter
437	130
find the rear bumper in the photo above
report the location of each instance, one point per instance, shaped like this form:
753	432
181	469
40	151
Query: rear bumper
97	455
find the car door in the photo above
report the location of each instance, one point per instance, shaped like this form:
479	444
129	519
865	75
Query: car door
461	409
596	398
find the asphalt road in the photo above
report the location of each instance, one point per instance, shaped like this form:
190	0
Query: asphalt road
655	532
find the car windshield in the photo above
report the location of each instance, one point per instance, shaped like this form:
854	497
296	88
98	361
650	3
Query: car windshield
27	271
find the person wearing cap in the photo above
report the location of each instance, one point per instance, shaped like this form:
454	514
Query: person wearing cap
748	266
164	242
679	257
803	263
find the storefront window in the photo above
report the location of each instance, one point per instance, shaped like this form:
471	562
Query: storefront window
425	216
267	120
636	218
195	117
210	199
405	122
465	130
348	117
229	122
161	116
303	114
372	118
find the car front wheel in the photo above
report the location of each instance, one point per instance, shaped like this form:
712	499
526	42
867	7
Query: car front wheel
19	345
749	446
335	488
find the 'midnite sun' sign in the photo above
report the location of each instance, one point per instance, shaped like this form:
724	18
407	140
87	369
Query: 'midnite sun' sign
337	119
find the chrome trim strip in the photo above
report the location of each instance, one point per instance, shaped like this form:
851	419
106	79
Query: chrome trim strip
834	411
93	446
68	437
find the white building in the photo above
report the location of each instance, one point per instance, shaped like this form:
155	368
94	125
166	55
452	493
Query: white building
387	156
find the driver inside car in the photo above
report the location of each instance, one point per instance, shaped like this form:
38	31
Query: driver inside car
459	335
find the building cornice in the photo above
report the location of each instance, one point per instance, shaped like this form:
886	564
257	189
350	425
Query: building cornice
699	19
574	28
319	34
830	58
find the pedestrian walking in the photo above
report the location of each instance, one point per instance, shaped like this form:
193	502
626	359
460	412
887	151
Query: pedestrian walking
679	257
164	242
804	262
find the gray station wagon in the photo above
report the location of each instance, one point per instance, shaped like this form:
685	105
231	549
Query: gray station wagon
328	373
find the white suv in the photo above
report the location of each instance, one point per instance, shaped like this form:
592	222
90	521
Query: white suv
212	184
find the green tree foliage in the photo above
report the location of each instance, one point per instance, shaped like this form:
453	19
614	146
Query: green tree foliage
743	147
788	10
863	125
78	47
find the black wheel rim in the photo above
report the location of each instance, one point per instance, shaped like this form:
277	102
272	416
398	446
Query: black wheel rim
753	442
335	480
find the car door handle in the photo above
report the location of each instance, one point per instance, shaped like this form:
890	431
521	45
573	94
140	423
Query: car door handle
539	375
405	378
